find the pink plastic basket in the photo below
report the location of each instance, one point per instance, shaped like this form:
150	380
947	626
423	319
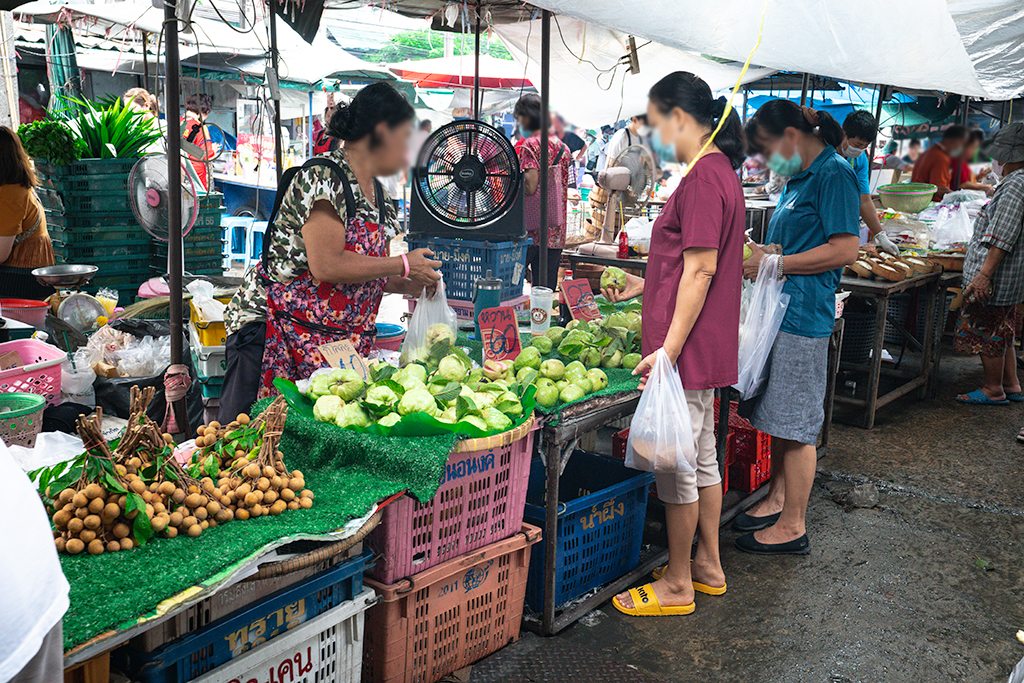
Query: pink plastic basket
479	502
40	370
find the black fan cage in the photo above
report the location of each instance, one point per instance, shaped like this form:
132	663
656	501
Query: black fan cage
467	174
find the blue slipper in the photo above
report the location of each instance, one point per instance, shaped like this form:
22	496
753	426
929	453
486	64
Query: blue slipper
978	398
1015	398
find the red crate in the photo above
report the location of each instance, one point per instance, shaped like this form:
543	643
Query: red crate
750	445
748	477
620	438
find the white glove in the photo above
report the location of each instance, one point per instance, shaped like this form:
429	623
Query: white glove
883	242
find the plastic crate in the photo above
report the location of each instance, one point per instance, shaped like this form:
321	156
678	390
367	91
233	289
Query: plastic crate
193	250
211	386
96	233
77	221
463	262
858	337
87	167
327	649
209	218
899	310
112	201
77	253
464	310
39	372
449	616
602	506
750	476
211	200
200	233
106	183
209	361
480	501
248	629
208	333
749	445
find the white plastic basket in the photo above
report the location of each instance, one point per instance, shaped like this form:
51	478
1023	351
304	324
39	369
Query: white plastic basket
327	649
210	361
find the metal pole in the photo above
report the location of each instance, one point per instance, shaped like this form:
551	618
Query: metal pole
277	102
882	97
958	167
309	128
545	73
746	96
476	68
145	61
805	83
172	72
1002	114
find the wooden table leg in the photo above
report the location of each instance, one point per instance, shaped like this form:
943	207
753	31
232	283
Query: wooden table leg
876	361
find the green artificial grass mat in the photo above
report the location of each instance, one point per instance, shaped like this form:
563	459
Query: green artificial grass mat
348	473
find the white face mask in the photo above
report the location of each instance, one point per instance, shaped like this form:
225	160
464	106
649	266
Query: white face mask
852	152
643	129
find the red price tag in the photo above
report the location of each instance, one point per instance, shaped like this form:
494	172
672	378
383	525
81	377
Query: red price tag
499	332
579	297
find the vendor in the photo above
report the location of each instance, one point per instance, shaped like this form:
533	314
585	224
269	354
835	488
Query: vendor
994	271
859	129
327	264
194	130
936	165
816	224
892	159
527	113
24	241
962	165
692	314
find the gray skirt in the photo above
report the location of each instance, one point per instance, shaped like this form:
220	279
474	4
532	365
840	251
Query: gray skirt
792	405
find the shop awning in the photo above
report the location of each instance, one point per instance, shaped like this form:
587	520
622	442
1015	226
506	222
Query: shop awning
458	72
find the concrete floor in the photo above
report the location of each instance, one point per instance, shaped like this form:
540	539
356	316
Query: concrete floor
892	593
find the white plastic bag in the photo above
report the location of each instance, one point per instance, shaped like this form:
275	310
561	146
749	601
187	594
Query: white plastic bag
760	320
432	322
952	227
209	308
660	434
77	379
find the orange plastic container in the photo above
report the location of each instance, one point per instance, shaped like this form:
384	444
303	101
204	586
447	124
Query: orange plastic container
449	616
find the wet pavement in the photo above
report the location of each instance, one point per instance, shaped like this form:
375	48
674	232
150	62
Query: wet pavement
926	586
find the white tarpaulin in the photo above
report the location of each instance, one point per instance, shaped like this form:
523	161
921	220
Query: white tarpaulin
585	92
971	47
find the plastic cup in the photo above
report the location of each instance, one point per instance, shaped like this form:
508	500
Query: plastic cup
541	299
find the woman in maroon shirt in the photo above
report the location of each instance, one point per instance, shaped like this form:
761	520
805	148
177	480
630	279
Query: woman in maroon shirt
692	310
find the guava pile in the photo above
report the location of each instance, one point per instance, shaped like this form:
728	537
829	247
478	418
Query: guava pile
612	342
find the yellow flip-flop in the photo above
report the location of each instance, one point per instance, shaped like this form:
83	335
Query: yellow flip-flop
697	585
645	604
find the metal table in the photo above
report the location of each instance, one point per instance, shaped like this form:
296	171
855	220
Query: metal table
576	258
931	288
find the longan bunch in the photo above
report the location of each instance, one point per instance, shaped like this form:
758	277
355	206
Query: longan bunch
88	518
254	490
196	508
210	434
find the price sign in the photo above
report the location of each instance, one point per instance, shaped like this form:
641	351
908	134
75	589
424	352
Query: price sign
499	332
341	354
579	297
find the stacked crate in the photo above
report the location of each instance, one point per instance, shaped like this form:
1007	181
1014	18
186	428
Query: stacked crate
91	222
750	453
204	244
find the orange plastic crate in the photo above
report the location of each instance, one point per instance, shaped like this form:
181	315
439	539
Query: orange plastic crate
449	616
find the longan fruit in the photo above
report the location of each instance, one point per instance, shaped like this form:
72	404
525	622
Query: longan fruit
278	507
200	430
276	482
306	503
170	532
95	547
121	469
192	500
137	485
201	442
239	454
65	496
213	507
113	546
75	525
167	488
195	530
61	519
132	514
270	497
61	544
176	518
159	524
269	471
296	484
110	512
224	516
135	462
96	505
193	489
293	505
178	496
257	511
127	543
201	513
147	496
306	493
281	468
210	523
251	471
242	514
297	475
242	491
189	521
263	483
74	546
203	501
121	530
226	500
92	522
94	491
204	525
80	500
153	487
251	500
87	535
207	484
213	425
159	508
68	508
82	512
242	419
287	495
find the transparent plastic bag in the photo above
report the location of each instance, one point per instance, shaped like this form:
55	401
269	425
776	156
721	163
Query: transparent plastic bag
952	227
209	308
763	311
77	379
108	297
660	434
433	322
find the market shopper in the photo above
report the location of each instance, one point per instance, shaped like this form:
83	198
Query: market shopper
24	241
528	115
692	313
893	160
994	271
194	130
936	165
327	264
859	130
816	225
962	165
636	132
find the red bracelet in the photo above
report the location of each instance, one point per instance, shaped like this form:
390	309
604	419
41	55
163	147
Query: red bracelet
405	262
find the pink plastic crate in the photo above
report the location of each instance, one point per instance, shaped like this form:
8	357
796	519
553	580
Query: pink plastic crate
480	501
40	370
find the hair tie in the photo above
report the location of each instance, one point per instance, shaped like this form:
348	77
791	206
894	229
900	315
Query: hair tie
811	116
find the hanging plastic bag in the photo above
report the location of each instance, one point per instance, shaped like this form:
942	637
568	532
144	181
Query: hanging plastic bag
433	323
761	317
660	434
77	379
952	227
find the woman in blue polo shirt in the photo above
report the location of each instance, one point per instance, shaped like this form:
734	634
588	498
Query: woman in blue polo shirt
817	225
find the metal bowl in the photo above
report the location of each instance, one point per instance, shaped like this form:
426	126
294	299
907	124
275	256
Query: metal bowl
65	275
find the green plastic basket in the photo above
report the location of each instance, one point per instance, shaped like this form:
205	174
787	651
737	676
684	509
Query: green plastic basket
907	197
21	418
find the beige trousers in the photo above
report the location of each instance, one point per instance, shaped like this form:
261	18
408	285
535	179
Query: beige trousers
680	488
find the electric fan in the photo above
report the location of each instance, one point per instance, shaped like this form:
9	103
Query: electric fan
149	194
467	184
622	188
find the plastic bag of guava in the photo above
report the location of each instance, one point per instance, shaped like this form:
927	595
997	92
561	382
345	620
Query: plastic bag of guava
660	434
432	329
761	313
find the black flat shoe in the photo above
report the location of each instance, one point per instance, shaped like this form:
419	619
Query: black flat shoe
749	544
744	522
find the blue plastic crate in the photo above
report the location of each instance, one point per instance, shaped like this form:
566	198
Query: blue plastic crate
463	262
602	506
247	629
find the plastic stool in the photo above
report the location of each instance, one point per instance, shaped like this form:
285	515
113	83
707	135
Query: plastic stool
235	230
254	246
